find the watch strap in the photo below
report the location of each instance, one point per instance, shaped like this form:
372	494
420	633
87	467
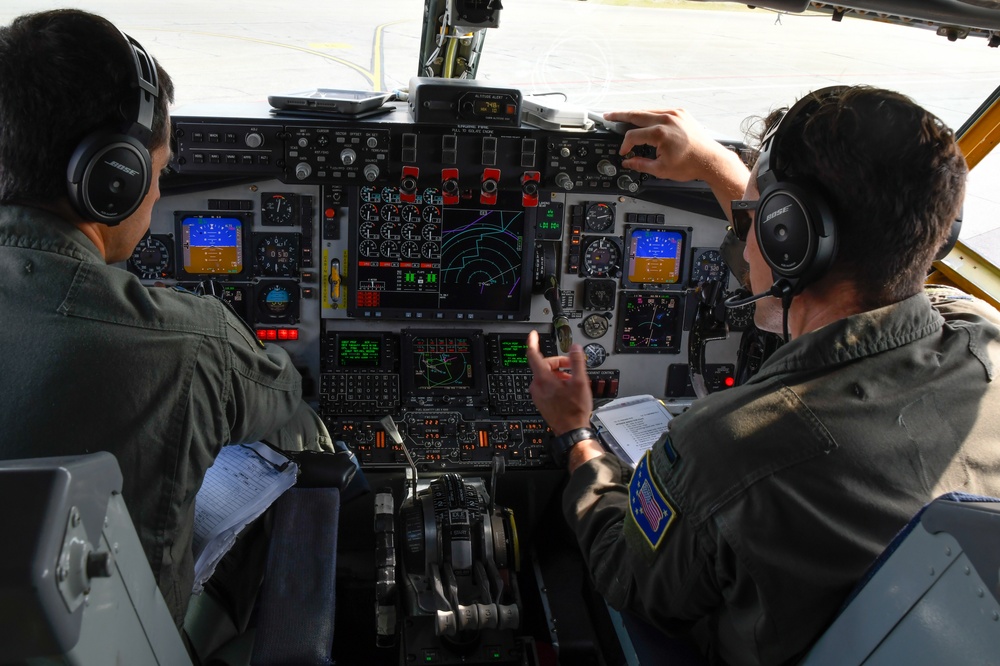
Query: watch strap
561	445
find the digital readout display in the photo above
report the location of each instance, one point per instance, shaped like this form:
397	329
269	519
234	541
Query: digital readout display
513	353
359	352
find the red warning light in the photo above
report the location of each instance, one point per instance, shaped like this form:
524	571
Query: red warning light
729	382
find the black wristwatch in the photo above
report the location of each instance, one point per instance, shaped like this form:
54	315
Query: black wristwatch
560	446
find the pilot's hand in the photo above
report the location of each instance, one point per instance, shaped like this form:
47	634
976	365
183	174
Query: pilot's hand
563	398
684	150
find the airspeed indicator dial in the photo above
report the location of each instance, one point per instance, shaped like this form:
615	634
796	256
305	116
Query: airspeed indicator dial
151	258
601	258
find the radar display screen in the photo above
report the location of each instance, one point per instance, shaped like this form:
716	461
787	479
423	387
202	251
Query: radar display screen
654	256
431	261
359	351
211	244
650	323
442	362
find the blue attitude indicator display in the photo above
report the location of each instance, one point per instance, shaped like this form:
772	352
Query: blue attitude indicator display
654	256
212	245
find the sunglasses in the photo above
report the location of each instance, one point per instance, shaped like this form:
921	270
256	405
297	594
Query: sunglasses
742	219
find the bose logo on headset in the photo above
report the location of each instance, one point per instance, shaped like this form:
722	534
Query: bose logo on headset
97	190
122	167
777	213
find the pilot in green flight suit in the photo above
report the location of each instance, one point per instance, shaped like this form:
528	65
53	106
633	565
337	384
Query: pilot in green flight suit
751	519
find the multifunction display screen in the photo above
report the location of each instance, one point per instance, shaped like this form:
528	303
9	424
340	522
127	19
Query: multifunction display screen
359	352
654	256
211	244
442	362
434	261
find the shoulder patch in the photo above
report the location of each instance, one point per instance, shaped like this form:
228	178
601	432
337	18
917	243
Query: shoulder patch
650	509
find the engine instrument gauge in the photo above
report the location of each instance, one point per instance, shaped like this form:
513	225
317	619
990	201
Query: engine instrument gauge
432	195
368	248
390	195
370	194
596	354
277	209
595	326
409	250
432	214
650	323
390	213
599	217
151	258
368	230
601	258
368	212
389	248
277	255
410	214
389	230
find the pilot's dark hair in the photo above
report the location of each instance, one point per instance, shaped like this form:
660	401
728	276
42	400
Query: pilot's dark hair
63	74
894	177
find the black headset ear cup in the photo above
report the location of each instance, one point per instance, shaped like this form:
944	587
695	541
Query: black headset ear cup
795	232
108	176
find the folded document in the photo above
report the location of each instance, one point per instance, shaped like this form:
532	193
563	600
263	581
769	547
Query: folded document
242	483
628	427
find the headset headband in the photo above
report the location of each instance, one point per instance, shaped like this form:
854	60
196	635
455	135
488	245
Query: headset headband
147	83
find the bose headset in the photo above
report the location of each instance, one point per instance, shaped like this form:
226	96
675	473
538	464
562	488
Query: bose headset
795	227
111	170
794	224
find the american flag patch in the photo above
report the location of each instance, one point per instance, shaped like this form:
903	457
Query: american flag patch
650	509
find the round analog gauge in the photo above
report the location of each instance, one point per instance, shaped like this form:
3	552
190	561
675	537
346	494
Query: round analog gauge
601	258
432	214
429	250
410	231
596	354
370	194
599	294
390	194
432	195
150	259
599	217
278	256
741	318
410	213
595	326
410	250
368	230
368	212
368	248
709	266
431	232
390	213
278	302
276	210
389	248
389	230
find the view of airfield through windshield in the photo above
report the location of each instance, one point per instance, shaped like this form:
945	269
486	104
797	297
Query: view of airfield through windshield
722	62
